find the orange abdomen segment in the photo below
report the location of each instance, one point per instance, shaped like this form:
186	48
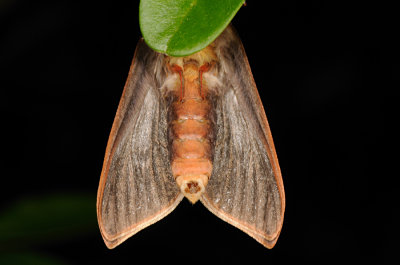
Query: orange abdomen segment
191	132
186	167
190	129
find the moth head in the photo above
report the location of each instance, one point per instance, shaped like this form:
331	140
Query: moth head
192	186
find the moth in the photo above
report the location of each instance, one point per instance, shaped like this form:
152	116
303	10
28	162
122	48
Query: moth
191	127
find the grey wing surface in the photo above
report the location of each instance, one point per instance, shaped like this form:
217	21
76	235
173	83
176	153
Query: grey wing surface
245	188
136	187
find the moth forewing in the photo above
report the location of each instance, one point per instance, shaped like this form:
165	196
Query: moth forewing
195	127
246	187
132	193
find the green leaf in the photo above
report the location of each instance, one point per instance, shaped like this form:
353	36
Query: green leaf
47	219
183	27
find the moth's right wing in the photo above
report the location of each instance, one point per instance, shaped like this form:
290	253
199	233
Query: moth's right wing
136	186
246	187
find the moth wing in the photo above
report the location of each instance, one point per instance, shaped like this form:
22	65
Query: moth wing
136	186
246	187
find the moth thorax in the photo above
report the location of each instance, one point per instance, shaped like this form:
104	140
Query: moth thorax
192	186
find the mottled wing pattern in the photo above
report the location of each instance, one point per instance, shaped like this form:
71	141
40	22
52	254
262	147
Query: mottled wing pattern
245	188
136	187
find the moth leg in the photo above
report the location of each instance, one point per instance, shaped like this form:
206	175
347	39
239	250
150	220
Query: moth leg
178	69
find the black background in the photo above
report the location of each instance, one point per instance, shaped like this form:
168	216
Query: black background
322	69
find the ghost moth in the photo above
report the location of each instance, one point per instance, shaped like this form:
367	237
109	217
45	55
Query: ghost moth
191	127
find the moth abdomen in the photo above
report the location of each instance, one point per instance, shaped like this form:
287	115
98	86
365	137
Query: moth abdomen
191	129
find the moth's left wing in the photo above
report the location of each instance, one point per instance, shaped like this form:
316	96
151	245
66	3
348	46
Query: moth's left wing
136	186
245	188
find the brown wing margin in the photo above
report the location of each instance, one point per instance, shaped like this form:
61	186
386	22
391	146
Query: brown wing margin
246	187
136	187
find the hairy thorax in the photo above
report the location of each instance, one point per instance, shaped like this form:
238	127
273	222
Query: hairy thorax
191	121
